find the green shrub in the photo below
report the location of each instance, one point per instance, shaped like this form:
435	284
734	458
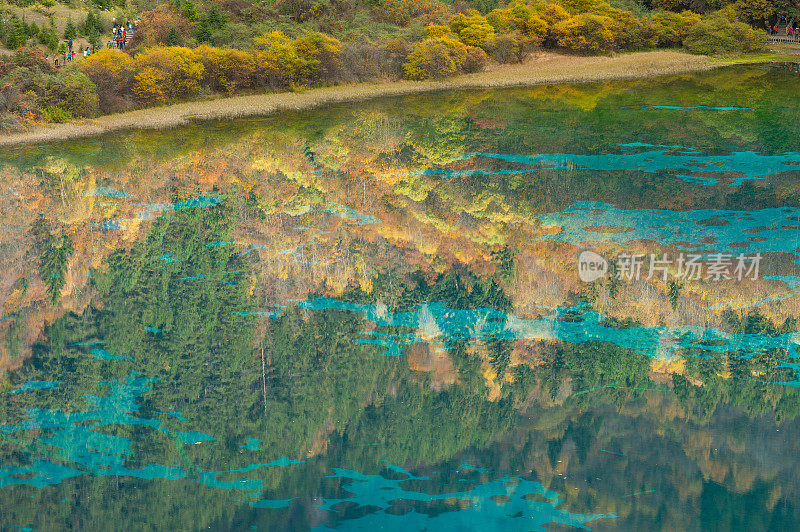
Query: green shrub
717	34
55	114
73	92
672	28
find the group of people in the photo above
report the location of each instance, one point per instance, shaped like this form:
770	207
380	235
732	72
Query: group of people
790	27
120	33
68	55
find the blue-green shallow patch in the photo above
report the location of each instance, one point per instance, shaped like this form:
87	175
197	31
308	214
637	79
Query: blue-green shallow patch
71	444
693	107
498	504
107	192
686	229
102	354
688	163
167	257
37	385
439	321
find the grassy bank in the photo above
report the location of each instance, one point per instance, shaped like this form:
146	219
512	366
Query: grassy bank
542	69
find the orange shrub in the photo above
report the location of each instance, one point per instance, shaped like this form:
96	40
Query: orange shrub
401	12
156	24
475	61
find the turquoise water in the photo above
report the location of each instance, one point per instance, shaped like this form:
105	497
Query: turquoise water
370	316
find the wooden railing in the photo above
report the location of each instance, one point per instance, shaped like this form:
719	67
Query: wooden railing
783	39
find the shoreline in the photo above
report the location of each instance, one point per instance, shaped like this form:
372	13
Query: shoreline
545	68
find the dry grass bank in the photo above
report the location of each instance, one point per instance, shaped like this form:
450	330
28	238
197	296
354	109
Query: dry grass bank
545	68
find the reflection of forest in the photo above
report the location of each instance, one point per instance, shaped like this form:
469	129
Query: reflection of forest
431	208
377	205
555	411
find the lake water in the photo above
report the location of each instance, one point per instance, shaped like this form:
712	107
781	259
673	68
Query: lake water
568	306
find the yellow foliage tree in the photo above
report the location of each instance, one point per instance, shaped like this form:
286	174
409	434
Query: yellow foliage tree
177	69
112	73
672	28
148	86
586	33
322	56
473	30
435	58
277	62
226	69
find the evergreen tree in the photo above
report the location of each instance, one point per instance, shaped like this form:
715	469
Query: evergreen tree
49	38
203	32
94	38
216	18
15	35
173	38
190	10
53	264
92	24
32	30
70	31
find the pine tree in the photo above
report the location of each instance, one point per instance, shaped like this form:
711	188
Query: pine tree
216	18
173	38
94	39
15	35
92	24
203	33
190	10
70	31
